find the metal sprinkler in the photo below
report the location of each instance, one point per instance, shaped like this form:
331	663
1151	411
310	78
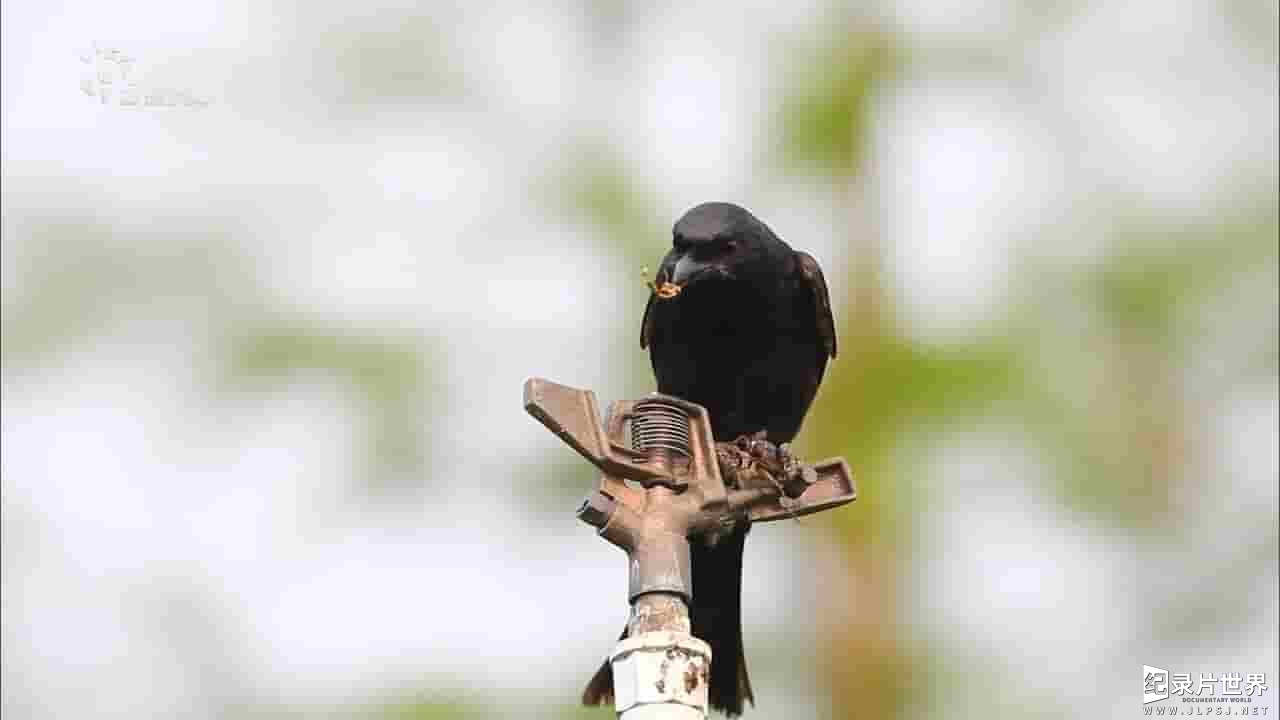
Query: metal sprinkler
670	485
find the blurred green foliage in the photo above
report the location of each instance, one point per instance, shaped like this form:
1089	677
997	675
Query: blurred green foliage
824	122
345	60
93	277
389	374
598	187
432	710
1116	445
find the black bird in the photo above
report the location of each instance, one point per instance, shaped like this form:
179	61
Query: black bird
747	337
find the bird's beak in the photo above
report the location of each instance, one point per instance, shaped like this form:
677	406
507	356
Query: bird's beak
686	268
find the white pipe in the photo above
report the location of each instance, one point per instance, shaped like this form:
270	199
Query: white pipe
661	675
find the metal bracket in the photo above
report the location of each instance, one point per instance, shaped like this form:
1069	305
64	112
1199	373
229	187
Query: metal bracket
574	416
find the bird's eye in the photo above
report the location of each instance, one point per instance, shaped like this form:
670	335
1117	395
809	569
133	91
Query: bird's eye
731	245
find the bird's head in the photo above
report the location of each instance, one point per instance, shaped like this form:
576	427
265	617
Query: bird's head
717	242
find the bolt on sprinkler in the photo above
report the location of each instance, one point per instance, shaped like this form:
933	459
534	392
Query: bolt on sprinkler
676	492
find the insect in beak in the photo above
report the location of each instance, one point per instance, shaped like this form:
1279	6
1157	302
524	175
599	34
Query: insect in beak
664	290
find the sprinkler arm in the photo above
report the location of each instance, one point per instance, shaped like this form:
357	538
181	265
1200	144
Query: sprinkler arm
574	416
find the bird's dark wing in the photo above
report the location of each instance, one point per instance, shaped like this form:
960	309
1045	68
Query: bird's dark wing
811	278
646	324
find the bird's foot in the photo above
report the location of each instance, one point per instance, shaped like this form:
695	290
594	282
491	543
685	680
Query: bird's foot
738	467
797	476
784	469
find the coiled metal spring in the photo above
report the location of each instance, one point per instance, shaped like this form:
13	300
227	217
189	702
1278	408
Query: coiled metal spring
659	426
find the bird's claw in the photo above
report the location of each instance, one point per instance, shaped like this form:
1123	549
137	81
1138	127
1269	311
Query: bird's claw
787	473
797	475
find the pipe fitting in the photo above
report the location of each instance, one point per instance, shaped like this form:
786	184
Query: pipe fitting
661	675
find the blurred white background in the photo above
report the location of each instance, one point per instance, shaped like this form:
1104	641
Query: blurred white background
263	451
